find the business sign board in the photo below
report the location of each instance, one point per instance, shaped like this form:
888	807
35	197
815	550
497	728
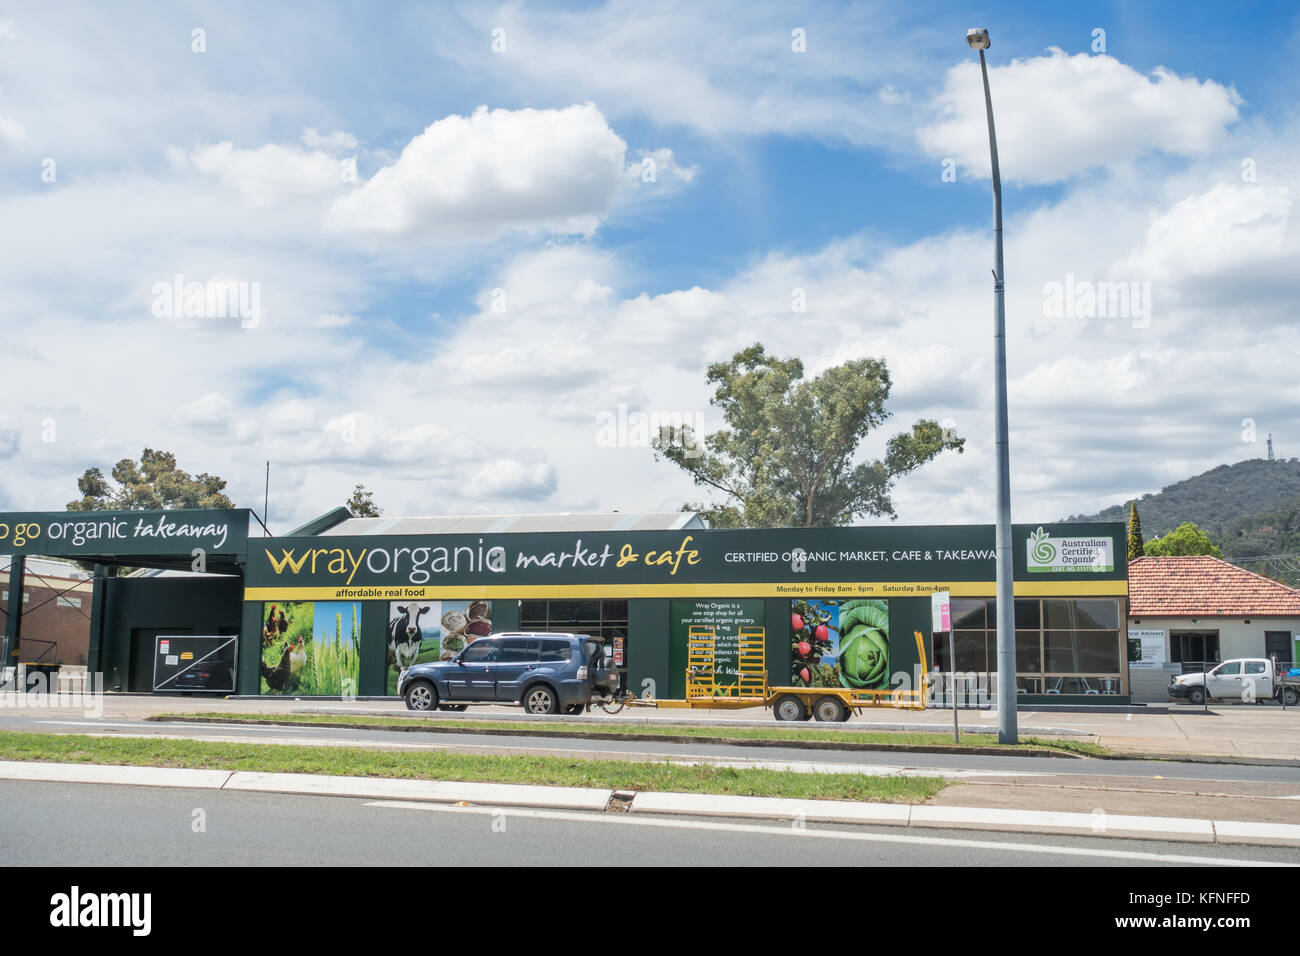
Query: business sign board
125	533
1067	554
843	563
941	612
1146	649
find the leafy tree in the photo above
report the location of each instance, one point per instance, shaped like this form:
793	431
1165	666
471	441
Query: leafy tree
362	503
152	483
1184	540
1135	547
785	458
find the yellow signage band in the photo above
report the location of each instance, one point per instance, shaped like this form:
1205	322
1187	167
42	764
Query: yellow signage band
838	589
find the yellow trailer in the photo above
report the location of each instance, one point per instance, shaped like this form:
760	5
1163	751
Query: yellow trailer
752	689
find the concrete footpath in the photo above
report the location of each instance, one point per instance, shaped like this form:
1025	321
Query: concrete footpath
797	812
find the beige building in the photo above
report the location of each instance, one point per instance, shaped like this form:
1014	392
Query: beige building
1189	612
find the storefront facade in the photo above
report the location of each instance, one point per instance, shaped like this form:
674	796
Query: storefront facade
327	613
815	592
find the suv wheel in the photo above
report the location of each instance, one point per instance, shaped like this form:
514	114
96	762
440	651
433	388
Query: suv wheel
421	695
1290	696
1196	695
540	699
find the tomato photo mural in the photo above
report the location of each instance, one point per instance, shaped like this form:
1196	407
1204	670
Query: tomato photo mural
839	643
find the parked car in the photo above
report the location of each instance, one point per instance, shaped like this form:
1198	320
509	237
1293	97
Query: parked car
1244	678
546	673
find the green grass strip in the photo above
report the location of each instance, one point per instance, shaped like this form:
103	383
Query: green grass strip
541	770
885	737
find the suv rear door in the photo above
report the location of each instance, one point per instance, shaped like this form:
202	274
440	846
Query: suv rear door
518	658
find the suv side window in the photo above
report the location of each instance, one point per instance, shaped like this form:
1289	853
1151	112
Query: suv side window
518	652
554	651
482	651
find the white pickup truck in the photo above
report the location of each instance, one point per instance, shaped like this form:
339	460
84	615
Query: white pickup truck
1244	678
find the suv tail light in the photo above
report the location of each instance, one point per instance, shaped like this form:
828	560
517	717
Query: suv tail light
582	672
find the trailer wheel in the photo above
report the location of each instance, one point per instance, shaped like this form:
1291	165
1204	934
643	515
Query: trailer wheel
1290	696
829	709
789	707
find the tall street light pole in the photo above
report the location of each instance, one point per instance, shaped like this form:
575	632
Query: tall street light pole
1007	734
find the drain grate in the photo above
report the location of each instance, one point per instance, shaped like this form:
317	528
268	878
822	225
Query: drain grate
620	801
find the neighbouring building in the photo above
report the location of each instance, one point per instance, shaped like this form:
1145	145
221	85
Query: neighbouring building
56	605
1189	612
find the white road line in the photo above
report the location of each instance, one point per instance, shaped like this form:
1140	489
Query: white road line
789	831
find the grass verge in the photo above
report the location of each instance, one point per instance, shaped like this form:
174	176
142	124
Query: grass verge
876	737
542	771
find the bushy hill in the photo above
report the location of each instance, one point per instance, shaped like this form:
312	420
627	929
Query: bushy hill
1250	509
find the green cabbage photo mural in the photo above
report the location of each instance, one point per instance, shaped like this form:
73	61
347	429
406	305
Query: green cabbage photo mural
840	643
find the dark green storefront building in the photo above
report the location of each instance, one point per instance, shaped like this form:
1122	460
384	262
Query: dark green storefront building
315	612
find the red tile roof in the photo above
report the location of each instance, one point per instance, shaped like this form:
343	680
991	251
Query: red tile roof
1202	586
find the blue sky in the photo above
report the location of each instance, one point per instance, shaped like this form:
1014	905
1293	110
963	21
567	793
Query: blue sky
460	263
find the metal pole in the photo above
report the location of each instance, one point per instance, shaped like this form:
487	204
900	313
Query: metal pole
266	498
1007	731
952	660
14	621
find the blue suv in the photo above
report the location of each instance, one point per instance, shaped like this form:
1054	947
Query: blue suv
547	673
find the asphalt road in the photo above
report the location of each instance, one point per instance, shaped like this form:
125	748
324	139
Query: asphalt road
578	744
104	825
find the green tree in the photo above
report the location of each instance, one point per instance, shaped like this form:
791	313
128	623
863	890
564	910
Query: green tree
362	503
1135	547
1184	540
152	483
785	458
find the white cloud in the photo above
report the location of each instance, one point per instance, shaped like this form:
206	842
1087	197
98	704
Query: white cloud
1059	116
513	479
477	176
269	174
335	141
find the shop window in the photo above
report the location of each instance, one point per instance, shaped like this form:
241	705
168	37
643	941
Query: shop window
1029	653
967	614
1082	652
971	650
1028	614
1081	615
532	614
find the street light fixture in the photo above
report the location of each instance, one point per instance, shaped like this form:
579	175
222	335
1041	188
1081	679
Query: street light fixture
978	39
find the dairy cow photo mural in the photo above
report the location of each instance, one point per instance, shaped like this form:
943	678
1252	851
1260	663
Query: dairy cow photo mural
420	631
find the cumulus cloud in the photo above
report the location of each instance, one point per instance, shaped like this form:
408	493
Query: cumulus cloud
267	175
1059	116
477	176
509	478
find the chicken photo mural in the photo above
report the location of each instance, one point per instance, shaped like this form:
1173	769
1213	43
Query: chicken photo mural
311	648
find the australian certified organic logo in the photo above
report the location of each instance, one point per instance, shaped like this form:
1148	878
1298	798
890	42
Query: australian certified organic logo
1047	554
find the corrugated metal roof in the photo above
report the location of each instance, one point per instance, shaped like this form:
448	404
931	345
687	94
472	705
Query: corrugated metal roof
47	568
517	524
